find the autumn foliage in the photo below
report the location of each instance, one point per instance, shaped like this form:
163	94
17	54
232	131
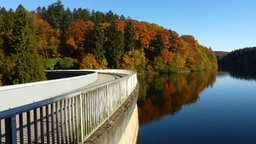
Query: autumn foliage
107	40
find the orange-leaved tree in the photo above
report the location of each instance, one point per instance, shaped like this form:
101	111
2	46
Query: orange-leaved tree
78	34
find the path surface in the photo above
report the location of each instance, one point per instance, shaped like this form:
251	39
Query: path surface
102	78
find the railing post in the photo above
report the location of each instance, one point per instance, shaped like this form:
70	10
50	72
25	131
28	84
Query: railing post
80	133
10	129
108	101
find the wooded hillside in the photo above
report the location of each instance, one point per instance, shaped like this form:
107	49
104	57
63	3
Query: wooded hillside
220	55
55	37
245	57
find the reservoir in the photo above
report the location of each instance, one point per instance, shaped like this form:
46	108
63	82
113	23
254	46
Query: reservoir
199	107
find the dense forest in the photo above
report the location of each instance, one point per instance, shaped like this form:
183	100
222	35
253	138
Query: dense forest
240	63
245	57
58	38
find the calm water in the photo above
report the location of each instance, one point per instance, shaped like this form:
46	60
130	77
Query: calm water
199	108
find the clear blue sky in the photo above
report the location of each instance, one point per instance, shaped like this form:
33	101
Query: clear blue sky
220	24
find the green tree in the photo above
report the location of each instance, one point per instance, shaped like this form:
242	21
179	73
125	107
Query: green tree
134	59
159	65
129	34
28	67
55	14
81	14
114	46
97	17
154	49
6	20
67	63
6	26
67	20
99	37
111	17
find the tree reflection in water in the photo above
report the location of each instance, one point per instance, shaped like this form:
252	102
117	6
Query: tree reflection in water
246	72
162	95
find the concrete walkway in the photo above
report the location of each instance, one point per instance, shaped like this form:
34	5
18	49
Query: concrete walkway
102	78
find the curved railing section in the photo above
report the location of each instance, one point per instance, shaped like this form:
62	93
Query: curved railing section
67	118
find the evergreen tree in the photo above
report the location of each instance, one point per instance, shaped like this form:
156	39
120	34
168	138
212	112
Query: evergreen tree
6	26
97	17
55	14
28	67
67	19
122	17
114	46
81	14
111	17
154	49
6	22
99	36
3	13
129	33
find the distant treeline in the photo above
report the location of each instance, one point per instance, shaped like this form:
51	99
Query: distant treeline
220	55
242	58
55	37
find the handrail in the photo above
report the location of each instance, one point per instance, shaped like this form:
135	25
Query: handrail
67	118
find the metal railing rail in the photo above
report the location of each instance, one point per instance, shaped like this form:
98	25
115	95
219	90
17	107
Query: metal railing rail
68	118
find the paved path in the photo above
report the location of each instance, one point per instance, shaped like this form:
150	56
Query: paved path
102	78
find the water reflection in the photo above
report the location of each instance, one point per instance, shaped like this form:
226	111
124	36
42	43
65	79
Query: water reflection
243	73
166	94
246	74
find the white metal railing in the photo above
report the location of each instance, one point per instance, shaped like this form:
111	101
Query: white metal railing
69	118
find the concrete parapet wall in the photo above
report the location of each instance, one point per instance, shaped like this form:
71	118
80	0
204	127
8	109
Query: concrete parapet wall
23	94
122	127
130	133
